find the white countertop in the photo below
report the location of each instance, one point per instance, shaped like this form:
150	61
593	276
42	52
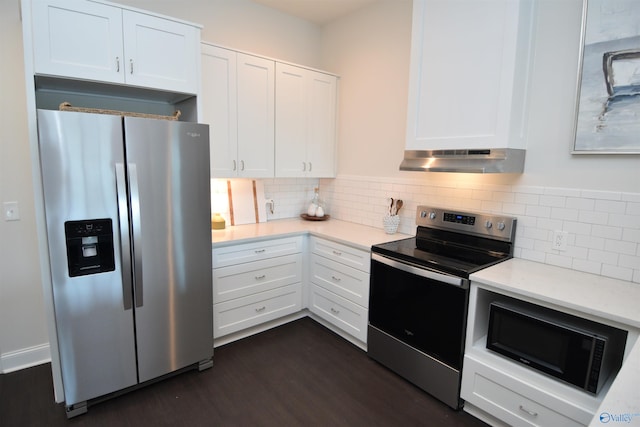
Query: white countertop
347	233
606	298
600	296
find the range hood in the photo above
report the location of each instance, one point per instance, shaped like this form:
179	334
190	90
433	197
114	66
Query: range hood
501	160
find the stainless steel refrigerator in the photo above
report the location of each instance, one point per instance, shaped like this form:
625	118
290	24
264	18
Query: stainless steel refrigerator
127	203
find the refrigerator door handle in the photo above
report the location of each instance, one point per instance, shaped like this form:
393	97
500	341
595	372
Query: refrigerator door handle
137	232
123	213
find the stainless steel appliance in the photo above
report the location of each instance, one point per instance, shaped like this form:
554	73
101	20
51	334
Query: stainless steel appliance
127	204
575	350
420	290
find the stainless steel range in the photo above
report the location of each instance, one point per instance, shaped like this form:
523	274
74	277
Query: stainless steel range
420	290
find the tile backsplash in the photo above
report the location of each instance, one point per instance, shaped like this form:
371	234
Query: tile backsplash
603	227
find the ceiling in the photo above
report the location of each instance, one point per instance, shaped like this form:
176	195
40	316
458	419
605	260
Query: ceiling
316	11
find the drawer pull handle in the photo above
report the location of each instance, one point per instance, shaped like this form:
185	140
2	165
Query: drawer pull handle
261	277
335	279
263	308
334	311
259	251
528	411
337	253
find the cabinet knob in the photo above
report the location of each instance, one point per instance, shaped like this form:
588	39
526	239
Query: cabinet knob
334	311
131	66
235	165
117	64
241	165
335	279
304	166
310	166
262	276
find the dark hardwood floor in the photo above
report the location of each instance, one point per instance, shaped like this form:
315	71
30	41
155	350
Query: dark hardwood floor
296	374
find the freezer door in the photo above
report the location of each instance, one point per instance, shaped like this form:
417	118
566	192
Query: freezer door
94	319
168	169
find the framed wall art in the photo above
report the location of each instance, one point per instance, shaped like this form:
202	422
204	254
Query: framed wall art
608	103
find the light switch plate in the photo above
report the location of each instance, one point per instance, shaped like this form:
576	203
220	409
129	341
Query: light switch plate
11	211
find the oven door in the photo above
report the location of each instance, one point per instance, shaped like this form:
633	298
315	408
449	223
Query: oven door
422	308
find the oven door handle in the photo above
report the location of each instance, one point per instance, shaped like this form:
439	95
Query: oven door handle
423	272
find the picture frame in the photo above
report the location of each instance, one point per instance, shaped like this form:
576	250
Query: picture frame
608	93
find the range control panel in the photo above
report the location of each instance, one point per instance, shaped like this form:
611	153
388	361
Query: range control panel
480	224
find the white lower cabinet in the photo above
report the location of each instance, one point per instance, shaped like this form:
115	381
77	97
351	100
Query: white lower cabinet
339	286
514	401
256	282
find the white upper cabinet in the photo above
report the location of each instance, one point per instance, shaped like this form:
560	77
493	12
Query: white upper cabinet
160	53
256	91
86	40
238	105
305	122
220	109
470	72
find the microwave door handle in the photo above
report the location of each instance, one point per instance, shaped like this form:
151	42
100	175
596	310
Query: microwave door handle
137	233
125	243
423	272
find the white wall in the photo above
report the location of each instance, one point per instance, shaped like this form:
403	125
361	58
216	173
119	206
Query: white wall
22	324
370	51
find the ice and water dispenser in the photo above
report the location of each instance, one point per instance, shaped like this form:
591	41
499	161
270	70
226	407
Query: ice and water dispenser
89	246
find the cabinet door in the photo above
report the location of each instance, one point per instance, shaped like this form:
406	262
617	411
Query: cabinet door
219	108
256	86
321	142
305	122
160	53
469	71
291	121
78	39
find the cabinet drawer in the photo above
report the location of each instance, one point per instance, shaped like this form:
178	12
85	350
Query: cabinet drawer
340	312
247	252
241	313
241	280
515	402
343	254
345	281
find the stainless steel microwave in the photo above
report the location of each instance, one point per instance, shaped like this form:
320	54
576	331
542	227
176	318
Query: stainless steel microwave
575	350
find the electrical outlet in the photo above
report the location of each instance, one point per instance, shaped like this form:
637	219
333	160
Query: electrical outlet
559	241
11	211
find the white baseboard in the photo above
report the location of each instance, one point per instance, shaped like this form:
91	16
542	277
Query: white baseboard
24	358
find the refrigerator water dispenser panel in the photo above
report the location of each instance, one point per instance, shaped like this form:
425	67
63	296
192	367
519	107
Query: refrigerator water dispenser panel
89	246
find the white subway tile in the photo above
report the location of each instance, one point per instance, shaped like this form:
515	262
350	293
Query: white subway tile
590	242
528	189
633	208
610	206
591	217
576	227
606	232
604	195
539	211
603	256
553	201
580	203
631	235
527	199
621	247
550	224
629	261
566	192
619	220
586	266
616	272
559	260
538	256
513	209
565	214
